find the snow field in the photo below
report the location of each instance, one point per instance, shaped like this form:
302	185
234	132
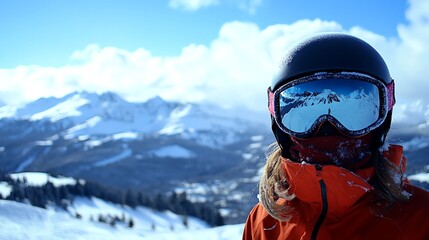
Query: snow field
22	221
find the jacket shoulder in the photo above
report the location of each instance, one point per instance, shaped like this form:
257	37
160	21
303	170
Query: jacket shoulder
256	221
411	215
419	197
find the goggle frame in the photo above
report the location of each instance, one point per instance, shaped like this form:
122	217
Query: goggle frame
386	95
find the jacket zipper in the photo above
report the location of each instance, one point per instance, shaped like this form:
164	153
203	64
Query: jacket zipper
324	206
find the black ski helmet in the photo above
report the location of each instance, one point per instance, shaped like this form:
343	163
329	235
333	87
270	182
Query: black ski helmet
331	52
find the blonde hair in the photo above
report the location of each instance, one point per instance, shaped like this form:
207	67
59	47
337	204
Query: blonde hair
274	192
273	186
388	180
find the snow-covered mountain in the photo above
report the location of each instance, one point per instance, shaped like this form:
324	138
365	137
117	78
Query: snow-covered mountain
86	114
327	96
155	146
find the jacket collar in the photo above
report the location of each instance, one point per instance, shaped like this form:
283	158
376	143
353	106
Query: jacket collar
343	187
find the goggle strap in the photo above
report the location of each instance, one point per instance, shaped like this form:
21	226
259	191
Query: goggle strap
270	101
391	95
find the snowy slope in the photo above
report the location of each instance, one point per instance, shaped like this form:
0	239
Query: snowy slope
421	177
21	221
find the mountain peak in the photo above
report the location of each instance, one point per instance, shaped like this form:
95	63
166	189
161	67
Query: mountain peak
156	102
111	97
156	99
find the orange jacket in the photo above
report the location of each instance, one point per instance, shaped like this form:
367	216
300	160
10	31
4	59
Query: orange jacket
334	203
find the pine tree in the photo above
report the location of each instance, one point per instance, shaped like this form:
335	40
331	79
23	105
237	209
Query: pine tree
112	222
185	221
101	218
131	199
130	223
219	220
159	203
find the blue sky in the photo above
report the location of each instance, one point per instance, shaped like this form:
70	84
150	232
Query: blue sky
47	32
221	51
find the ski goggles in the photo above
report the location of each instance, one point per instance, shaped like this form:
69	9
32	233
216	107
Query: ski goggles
354	103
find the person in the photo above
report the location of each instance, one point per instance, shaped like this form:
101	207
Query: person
331	174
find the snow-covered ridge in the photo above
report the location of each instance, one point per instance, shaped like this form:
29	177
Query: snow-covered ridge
68	108
90	114
174	151
327	96
37	179
40	179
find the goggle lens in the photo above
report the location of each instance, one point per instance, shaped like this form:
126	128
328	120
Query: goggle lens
353	103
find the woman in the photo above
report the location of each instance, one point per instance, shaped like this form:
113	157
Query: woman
330	175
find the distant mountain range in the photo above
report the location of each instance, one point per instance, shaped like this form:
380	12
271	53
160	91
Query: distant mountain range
213	153
155	146
85	114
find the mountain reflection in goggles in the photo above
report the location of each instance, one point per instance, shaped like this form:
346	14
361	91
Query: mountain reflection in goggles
355	104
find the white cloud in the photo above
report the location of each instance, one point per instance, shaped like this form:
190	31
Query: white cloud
235	68
249	6
413	113
192	5
407	58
